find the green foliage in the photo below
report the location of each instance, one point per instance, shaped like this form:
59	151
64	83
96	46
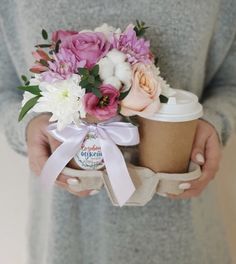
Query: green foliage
43	45
27	106
43	62
163	99
124	94
44	34
34	89
90	80
57	46
140	28
25	80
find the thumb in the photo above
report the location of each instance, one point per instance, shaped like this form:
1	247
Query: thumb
38	155
198	149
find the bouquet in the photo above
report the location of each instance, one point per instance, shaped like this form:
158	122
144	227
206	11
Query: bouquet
88	81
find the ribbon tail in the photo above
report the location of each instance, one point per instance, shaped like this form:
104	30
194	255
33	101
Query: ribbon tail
59	158
117	171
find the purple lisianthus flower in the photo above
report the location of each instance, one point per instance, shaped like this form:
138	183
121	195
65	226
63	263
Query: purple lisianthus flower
136	49
104	108
64	65
88	46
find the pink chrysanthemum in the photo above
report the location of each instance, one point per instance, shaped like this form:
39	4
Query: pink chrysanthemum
63	66
136	49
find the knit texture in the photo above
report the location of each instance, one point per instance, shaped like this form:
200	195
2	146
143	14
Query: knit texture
196	46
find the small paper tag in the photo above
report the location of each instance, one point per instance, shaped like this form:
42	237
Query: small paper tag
90	155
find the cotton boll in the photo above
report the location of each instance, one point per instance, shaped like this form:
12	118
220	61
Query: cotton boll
108	30
116	56
124	73
106	68
114	81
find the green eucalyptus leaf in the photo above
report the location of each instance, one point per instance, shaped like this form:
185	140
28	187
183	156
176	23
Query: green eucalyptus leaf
44	34
27	106
34	89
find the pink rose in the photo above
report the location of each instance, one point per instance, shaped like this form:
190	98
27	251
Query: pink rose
143	98
62	34
105	107
88	46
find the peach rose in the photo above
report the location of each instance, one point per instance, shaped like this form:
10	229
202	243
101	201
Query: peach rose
143	98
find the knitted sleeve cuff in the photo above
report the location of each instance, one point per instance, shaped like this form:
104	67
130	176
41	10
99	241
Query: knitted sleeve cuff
219	121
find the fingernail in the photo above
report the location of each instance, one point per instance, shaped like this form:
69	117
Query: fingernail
184	186
72	181
162	194
93	192
75	188
200	158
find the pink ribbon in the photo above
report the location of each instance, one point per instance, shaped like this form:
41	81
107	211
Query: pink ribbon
110	135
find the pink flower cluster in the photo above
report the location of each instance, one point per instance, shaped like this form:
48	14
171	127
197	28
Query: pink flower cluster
71	50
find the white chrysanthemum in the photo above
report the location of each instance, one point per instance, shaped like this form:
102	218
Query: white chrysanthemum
26	97
114	70
108	31
62	99
166	90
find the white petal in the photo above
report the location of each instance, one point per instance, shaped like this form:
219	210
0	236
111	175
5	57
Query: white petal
113	80
108	30
106	68
116	56
26	97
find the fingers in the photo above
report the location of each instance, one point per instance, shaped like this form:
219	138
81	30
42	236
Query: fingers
37	156
206	152
198	149
71	184
213	157
53	143
186	194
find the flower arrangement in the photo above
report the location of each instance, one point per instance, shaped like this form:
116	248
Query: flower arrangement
101	73
97	75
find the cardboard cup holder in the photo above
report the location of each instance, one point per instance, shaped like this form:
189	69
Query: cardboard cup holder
88	179
169	182
147	182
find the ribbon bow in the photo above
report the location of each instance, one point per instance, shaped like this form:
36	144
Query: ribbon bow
110	135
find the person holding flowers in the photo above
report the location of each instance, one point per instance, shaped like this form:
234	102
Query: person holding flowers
83	74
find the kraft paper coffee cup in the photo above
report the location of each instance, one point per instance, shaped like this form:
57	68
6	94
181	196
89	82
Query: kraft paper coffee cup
166	137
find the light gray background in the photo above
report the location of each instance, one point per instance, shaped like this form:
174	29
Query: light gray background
14	201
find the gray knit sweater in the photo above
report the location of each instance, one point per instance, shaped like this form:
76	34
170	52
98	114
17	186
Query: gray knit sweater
194	41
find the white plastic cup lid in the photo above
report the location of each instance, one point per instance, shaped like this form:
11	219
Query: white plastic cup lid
182	106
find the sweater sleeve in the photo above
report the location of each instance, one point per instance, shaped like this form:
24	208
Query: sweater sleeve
10	101
219	98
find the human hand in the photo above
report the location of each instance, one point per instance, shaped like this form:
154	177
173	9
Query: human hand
40	146
206	152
